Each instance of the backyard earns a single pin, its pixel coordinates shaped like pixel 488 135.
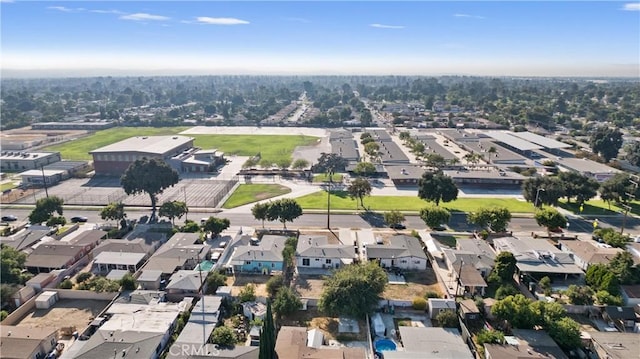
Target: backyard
pixel 312 318
pixel 249 193
pixel 418 284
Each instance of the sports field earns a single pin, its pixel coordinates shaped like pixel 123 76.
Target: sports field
pixel 271 147
pixel 249 193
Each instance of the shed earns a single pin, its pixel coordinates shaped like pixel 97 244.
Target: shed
pixel 150 279
pixel 116 274
pixel 224 291
pixel 379 328
pixel 315 338
pixel 40 281
pixel 437 305
pixel 46 300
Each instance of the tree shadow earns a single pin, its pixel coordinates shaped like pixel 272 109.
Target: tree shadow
pixel 374 219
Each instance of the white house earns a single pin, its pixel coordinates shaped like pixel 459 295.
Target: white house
pixel 404 252
pixel 316 252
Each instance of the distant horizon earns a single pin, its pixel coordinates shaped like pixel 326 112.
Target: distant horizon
pixel 585 39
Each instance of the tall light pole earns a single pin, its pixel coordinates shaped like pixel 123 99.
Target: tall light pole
pixel 535 204
pixel 330 173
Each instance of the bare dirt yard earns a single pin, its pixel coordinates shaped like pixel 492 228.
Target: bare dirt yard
pixel 312 318
pixel 65 313
pixel 418 284
pixel 308 286
pixel 240 281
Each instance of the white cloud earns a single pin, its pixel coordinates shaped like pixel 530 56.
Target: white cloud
pixel 143 17
pixel 66 9
pixel 634 6
pixel 116 12
pixel 220 21
pixel 468 16
pixel 381 26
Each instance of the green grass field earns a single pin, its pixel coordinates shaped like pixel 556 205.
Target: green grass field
pixel 79 149
pixel 249 193
pixel 272 147
pixel 597 207
pixel 6 186
pixel 341 200
pixel 323 177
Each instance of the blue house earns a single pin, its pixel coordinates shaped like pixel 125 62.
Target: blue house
pixel 263 256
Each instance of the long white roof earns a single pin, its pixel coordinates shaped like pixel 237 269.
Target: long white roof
pixel 513 141
pixel 541 140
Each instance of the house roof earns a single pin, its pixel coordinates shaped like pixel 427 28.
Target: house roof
pixel 470 277
pixel 52 255
pixel 404 172
pixel 468 306
pixel 617 345
pixel 149 275
pixel 189 280
pixel 400 246
pixel 433 343
pixel 21 342
pixel 127 343
pixel 119 258
pixel 157 145
pixel 138 245
pixel 476 246
pixel 624 313
pixel 536 255
pixel 456 257
pixel 442 303
pixel 513 141
pixel 269 249
pixel 632 291
pixel 88 237
pixel 589 252
pixel 25 238
pixel 292 344
pixel 319 247
pixel 585 165
pixel 526 343
pixel 540 140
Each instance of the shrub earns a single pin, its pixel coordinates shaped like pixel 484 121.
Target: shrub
pixel 66 284
pixel 447 319
pixel 214 280
pixel 419 303
pixel 506 290
pixel 274 284
pixel 223 336
pixel 83 276
pixel 432 294
pixel 247 294
pixel 545 285
pixel 3 314
pixel 128 282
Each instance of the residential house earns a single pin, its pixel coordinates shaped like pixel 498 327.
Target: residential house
pixel 185 283
pixel 123 254
pixel 292 343
pixel 615 345
pixel 630 294
pixel 181 251
pixel 134 330
pixel 316 252
pixel 589 252
pixel 204 318
pixel 149 279
pixel 623 318
pixel 537 258
pixel 470 264
pixel 404 252
pixel 261 256
pixel 469 311
pixel 63 255
pixel 523 344
pixel 430 343
pixel 438 305
pixel 26 238
pixel 22 342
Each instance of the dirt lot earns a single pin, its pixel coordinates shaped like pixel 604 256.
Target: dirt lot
pixel 329 326
pixel 65 313
pixel 331 236
pixel 418 283
pixel 239 281
pixel 308 287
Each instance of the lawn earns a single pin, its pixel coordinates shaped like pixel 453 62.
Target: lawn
pixel 272 147
pixel 323 177
pixel 341 200
pixel 6 186
pixel 249 193
pixel 448 240
pixel 596 207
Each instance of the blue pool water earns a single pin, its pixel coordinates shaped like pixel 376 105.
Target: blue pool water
pixel 205 266
pixel 385 345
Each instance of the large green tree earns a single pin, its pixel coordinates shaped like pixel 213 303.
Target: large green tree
pixel 114 211
pixel 504 268
pixel 494 218
pixel 365 169
pixel 151 176
pixel 434 217
pixel 566 332
pixel 437 187
pixel 286 302
pixel 216 225
pixel 551 218
pixel 633 153
pixel 329 162
pixel 353 290
pixel 12 265
pixel 267 348
pixel 45 207
pixel 606 142
pixel 393 217
pixel 260 211
pixel 618 189
pixel 284 210
pixel 358 189
pixel 547 190
pixel 173 210
pixel 577 185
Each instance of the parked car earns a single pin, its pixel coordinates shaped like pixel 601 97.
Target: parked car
pixel 9 218
pixel 78 219
pixel 398 226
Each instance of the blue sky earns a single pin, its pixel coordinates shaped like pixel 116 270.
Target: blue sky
pixel 549 38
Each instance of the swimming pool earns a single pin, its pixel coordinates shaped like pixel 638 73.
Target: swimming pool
pixel 385 345
pixel 205 266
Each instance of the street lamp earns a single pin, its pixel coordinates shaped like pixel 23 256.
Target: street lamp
pixel 535 204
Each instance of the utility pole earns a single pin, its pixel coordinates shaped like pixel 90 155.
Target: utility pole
pixel 330 173
pixel 635 180
pixel 44 181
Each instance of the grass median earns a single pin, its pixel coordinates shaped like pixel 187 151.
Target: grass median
pixel 249 193
pixel 342 201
